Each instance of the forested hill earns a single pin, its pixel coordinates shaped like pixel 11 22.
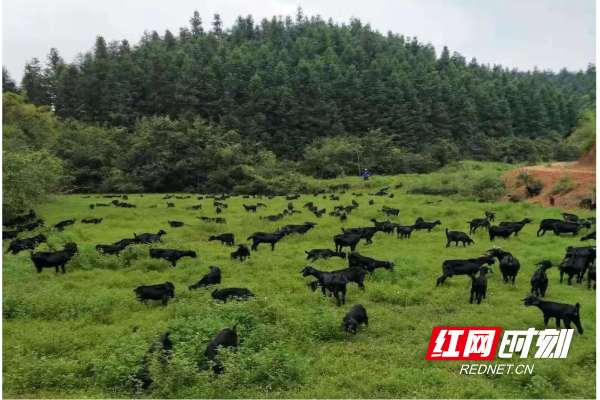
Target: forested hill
pixel 285 82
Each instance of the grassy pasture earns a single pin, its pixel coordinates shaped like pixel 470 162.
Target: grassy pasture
pixel 83 334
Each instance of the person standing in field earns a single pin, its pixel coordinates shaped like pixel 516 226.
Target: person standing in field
pixel 366 174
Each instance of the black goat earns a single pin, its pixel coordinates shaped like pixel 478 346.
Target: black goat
pixel 227 338
pixel 509 265
pixel 547 225
pixel 242 252
pixel 315 254
pixel 590 236
pixel 62 224
pixel 225 295
pixel 427 225
pixel 559 311
pixel 18 245
pixel 54 259
pixel 10 234
pixel 539 280
pixel 370 264
pixel 346 240
pixel 518 226
pixel 92 221
pixel 224 238
pixel 478 223
pixel 34 225
pixel 503 232
pixel 479 285
pixel 456 236
pixel 262 237
pixel 566 227
pixel 463 267
pixel 175 224
pixel 212 278
pixel 355 317
pixel 171 255
pixel 148 238
pixel 162 292
pixel 334 282
pixel 404 232
pixel 249 208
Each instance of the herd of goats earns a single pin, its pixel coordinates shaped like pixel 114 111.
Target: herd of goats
pixel 578 261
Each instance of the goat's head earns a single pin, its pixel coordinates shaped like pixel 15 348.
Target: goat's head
pixel 545 264
pixel 530 300
pixel 308 270
pixel 351 326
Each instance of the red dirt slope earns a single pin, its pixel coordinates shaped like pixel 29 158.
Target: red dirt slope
pixel 582 172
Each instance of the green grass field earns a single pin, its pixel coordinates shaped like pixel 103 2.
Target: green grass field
pixel 84 334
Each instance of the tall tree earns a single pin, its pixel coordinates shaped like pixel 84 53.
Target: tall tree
pixel 196 24
pixel 8 83
pixel 34 84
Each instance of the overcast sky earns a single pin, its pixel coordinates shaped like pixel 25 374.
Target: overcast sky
pixel 549 34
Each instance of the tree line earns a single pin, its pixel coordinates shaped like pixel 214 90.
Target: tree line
pixel 219 108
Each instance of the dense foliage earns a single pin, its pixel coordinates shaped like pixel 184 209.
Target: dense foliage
pixel 286 83
pixel 29 171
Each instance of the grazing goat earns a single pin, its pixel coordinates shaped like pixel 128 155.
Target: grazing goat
pixel 315 254
pixel 242 252
pixel 590 236
pixel 509 265
pixel 224 238
pixel 370 264
pixel 225 295
pixel 478 223
pixel 456 236
pixel 355 317
pixel 175 224
pixel 518 226
pixel 94 221
pixel 334 282
pixel 547 225
pixel 463 267
pixel 353 274
pixel 262 237
pixel 148 238
pixel 62 224
pixel 479 285
pixel 559 311
pixel 195 208
pixel 54 259
pixel 427 225
pixel 539 280
pixel 250 207
pixel 171 255
pixel 301 229
pixel 170 205
pixel 227 338
pixel 18 245
pixel 212 278
pixel 162 292
pixel 20 219
pixel 10 234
